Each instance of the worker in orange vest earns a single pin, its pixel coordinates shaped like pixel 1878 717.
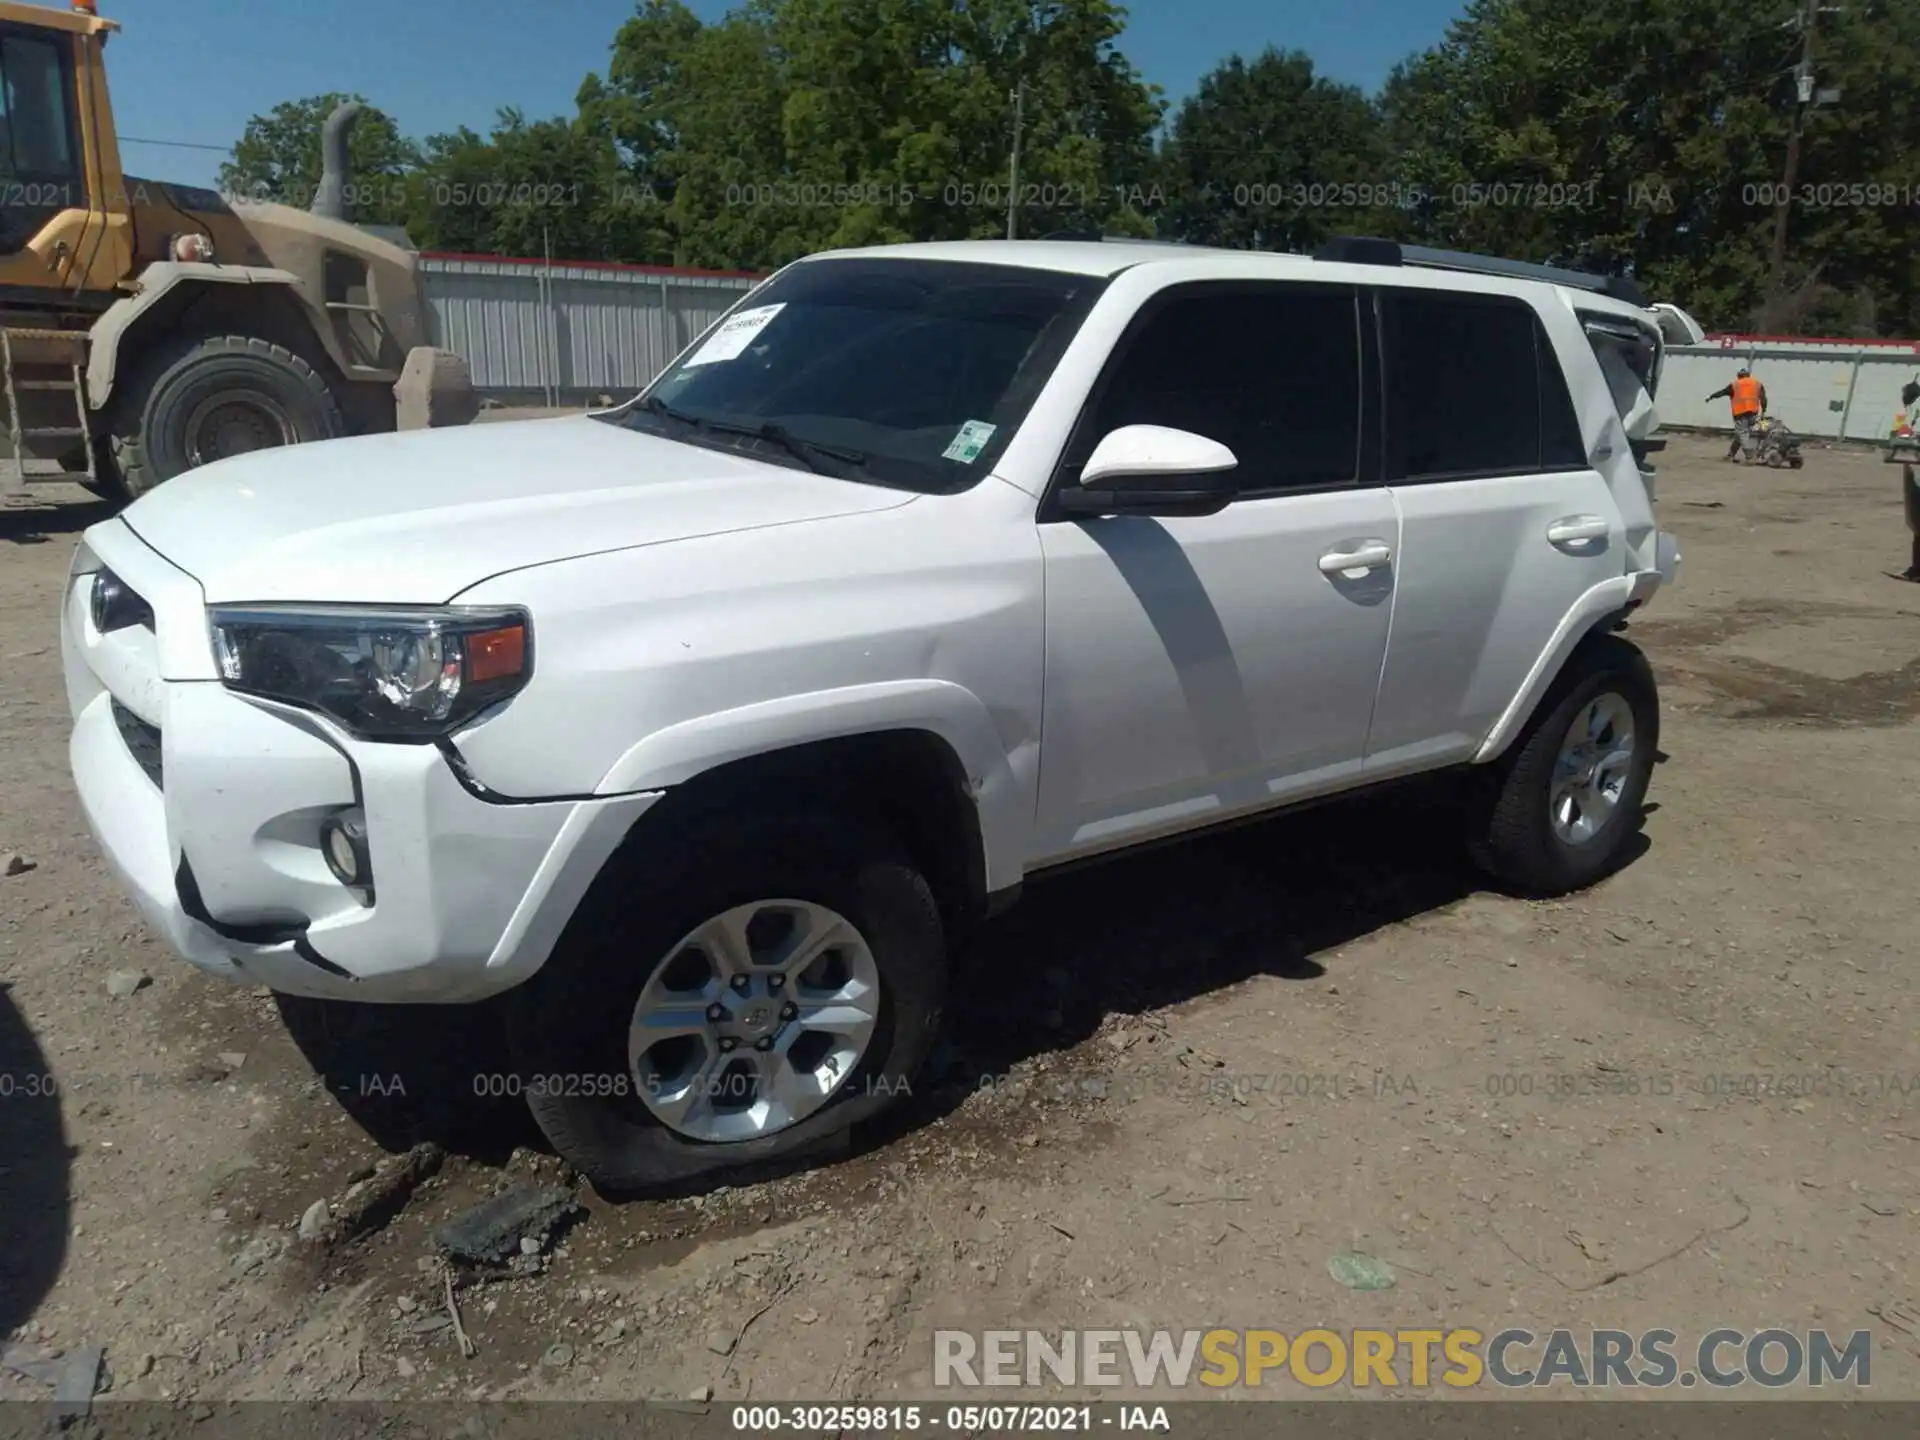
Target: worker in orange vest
pixel 1749 398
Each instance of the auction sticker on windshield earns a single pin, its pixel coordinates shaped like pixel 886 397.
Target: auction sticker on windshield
pixel 733 337
pixel 968 442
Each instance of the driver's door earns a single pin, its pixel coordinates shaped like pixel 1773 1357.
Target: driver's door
pixel 1199 667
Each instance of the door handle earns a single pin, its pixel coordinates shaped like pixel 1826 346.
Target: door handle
pixel 1365 556
pixel 1577 530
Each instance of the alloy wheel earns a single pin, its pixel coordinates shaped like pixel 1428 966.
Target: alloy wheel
pixel 1590 772
pixel 754 1020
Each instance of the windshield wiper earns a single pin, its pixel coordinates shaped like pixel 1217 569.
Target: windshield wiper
pixel 807 452
pixel 654 405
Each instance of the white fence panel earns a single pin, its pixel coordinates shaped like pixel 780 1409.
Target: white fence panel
pixel 1833 389
pixel 561 334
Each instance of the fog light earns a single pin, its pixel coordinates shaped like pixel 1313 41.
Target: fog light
pixel 343 840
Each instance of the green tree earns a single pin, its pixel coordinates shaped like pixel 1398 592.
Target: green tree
pixel 1267 153
pixel 797 125
pixel 716 103
pixel 555 187
pixel 278 158
pixel 1648 136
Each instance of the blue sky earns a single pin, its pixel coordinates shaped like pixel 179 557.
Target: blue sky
pixel 195 70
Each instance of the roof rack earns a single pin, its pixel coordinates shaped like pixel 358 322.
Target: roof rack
pixel 1104 237
pixel 1365 250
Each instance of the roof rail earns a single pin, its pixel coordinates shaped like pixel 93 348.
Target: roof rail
pixel 1104 237
pixel 1365 250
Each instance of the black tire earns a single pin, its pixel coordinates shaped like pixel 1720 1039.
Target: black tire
pixel 571 1020
pixel 1510 828
pixel 411 1073
pixel 154 406
pixel 1794 462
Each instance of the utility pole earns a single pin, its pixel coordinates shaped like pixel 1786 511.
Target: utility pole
pixel 1804 95
pixel 1013 164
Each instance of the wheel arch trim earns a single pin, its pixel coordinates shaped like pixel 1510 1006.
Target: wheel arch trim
pixel 157 282
pixel 1599 606
pixel 953 714
pixel 587 839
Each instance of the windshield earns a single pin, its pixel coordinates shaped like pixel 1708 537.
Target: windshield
pixel 911 373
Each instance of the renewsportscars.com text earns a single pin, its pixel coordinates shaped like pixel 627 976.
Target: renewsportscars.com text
pixel 1461 1358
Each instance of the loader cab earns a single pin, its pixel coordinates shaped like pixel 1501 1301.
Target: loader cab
pixel 59 165
pixel 40 170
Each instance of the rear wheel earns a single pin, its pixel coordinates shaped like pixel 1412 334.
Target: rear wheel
pixel 208 398
pixel 739 996
pixel 1555 813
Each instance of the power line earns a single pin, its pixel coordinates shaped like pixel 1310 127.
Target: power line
pixel 174 144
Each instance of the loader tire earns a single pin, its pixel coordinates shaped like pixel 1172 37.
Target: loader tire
pixel 205 398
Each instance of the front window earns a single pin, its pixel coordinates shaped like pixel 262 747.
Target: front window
pixel 38 138
pixel 909 373
pixel 1270 371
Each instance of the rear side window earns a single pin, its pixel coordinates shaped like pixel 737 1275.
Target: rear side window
pixel 1270 371
pixel 1473 388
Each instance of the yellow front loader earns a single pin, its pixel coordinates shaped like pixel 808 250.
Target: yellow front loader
pixel 147 327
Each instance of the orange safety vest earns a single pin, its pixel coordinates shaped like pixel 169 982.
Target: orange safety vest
pixel 1746 396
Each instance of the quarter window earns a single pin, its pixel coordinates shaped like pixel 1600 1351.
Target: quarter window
pixel 1272 372
pixel 1561 447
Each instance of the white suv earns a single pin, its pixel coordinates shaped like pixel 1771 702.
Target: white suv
pixel 694 731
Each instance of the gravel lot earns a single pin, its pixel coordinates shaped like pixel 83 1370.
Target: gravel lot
pixel 1214 1067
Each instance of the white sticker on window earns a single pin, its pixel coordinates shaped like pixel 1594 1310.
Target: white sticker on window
pixel 732 338
pixel 967 444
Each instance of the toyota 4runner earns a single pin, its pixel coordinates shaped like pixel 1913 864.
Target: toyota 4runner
pixel 694 731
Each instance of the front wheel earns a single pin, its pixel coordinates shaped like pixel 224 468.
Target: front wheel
pixel 740 994
pixel 1556 812
pixel 208 398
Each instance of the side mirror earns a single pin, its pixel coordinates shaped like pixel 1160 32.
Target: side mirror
pixel 1152 470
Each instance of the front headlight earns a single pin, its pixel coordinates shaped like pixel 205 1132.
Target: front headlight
pixel 401 674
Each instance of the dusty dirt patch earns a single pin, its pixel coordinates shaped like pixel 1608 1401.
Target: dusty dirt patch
pixel 1176 1085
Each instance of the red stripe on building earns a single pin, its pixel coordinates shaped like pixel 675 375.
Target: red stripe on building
pixel 594 265
pixel 1728 342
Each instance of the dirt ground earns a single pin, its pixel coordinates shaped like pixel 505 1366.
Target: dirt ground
pixel 1176 1084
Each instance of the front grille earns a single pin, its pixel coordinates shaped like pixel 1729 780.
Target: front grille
pixel 143 740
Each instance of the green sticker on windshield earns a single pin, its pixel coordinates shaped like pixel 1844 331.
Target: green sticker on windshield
pixel 968 442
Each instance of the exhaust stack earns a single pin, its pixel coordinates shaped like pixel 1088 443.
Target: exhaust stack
pixel 330 200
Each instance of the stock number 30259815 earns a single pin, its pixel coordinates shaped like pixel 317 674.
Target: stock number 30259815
pixel 892 1419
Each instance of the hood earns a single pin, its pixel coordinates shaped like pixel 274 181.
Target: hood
pixel 414 518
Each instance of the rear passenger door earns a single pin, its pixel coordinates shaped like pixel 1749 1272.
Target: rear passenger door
pixel 1504 522
pixel 1199 666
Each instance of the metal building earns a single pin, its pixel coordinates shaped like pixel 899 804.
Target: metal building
pixel 564 333
pixel 1831 389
